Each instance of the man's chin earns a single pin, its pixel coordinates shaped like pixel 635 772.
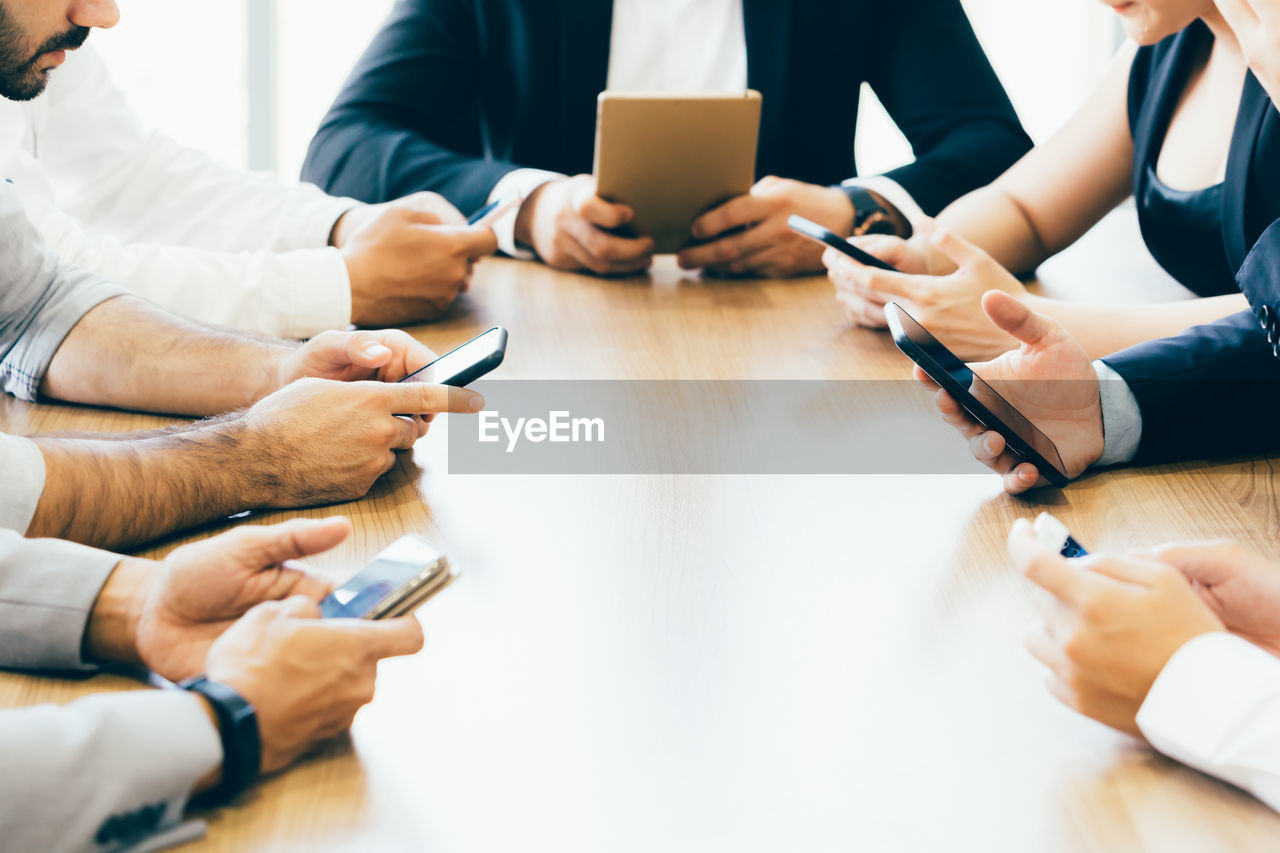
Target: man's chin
pixel 26 87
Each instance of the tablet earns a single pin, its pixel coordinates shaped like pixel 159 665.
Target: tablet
pixel 674 157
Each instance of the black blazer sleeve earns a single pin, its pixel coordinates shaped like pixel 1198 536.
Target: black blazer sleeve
pixel 936 83
pixel 1214 390
pixel 410 108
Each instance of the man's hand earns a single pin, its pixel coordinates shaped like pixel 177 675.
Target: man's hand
pixel 949 306
pixel 1240 586
pixel 567 224
pixel 766 246
pixel 306 677
pixel 165 615
pixel 1116 623
pixel 1256 24
pixel 200 590
pixel 408 259
pixel 320 442
pixel 383 356
pixel 1049 379
pixel 431 209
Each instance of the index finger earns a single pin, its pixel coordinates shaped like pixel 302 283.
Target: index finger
pixel 418 398
pixel 1046 569
pixel 743 210
pixel 604 214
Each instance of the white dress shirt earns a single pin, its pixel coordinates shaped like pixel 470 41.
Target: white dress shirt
pixel 1216 707
pixel 675 46
pixel 169 223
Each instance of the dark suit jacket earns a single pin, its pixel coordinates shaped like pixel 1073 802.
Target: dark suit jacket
pixel 454 94
pixel 1214 390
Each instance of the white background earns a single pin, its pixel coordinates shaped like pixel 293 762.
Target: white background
pixel 184 64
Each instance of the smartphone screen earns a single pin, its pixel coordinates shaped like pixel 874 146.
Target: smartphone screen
pixel 467 363
pixel 396 575
pixel 977 398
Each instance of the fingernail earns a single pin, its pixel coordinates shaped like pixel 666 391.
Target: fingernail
pixel 375 350
pixel 989 446
pixel 476 403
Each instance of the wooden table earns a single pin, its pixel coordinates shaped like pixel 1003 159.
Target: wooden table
pixel 693 663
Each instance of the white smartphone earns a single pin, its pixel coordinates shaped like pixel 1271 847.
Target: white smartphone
pixel 1052 533
pixel 399 580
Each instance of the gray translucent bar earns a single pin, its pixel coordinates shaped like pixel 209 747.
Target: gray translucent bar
pixel 706 427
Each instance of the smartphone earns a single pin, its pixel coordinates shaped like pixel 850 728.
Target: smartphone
pixel 464 365
pixel 954 376
pixel 1053 534
pixel 817 233
pixel 398 581
pixel 488 214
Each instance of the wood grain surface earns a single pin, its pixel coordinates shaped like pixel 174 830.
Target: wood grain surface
pixel 727 663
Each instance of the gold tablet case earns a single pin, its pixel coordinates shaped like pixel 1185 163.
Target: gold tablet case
pixel 674 157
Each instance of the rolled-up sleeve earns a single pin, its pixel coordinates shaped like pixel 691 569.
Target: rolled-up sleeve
pixel 41 299
pixel 22 482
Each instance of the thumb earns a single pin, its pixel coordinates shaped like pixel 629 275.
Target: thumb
pixel 296 607
pixel 1012 316
pixel 961 251
pixel 1210 563
pixel 292 540
pixel 476 241
pixel 365 350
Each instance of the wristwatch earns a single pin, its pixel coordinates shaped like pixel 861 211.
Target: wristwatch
pixel 241 745
pixel 869 215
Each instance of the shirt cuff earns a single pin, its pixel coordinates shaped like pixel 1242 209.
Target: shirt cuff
pixel 317 294
pixel 523 181
pixel 1209 705
pixel 892 192
pixel 313 230
pixel 1121 418
pixel 24 473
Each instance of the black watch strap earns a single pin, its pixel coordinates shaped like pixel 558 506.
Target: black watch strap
pixel 241 747
pixel 869 215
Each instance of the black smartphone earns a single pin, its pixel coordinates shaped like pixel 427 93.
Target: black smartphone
pixel 1053 534
pixel 817 233
pixel 464 365
pixel 398 581
pixel 955 377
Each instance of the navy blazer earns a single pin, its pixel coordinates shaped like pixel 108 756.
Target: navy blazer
pixel 454 94
pixel 1215 389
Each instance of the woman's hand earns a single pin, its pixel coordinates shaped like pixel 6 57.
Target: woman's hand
pixel 949 306
pixel 1256 24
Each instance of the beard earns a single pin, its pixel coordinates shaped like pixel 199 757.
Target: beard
pixel 20 79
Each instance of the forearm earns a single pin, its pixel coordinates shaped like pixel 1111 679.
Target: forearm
pixel 112 493
pixel 129 354
pixel 996 222
pixel 1106 329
